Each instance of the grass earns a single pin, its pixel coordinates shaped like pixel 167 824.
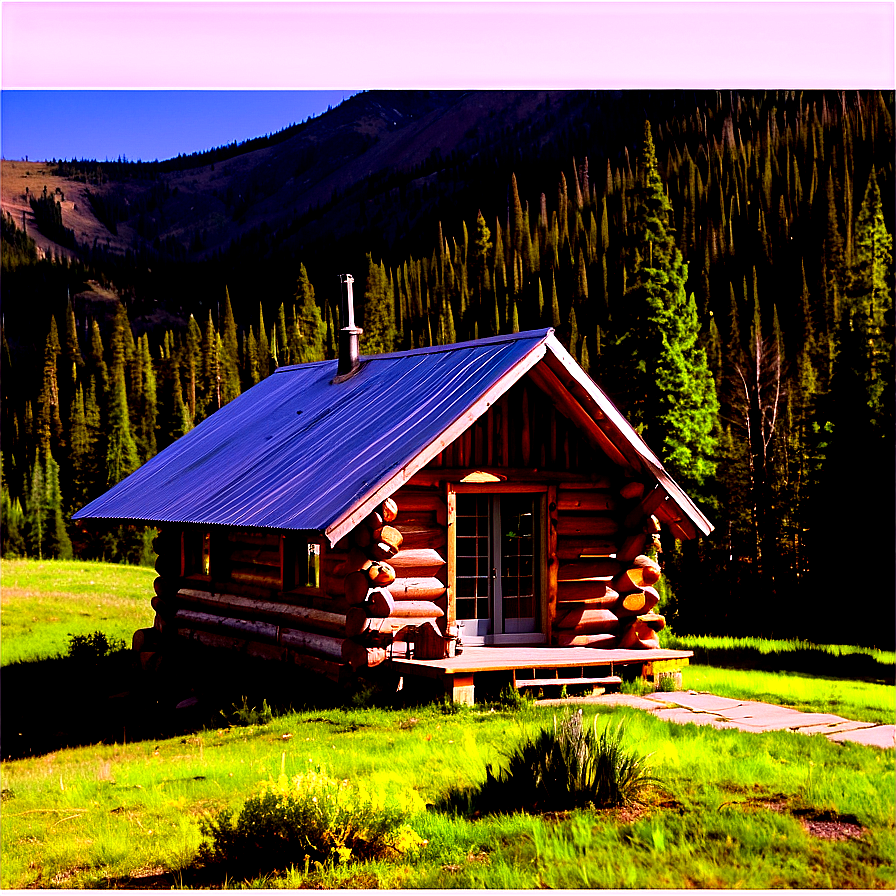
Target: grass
pixel 859 700
pixel 43 602
pixel 729 811
pixel 834 660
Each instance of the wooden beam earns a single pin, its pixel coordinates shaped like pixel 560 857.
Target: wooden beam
pixel 451 501
pixel 553 388
pixel 645 508
pixel 552 564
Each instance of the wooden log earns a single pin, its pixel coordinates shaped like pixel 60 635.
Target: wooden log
pixel 252 608
pixel 165 608
pixel 428 588
pixel 642 574
pixel 362 535
pixel 340 565
pixel 374 522
pixel 389 510
pixel 651 526
pixel 570 639
pixel 360 657
pixel 165 587
pixel 585 499
pixel 422 537
pixel 593 590
pixel 573 548
pixel 410 502
pixel 383 551
pixel 311 642
pixel 256 557
pixel 631 491
pixel 416 609
pixel 586 621
pixel 637 636
pixel 391 536
pixel 589 568
pixel 380 603
pixel 356 621
pixel 258 539
pixel 419 563
pixel 167 565
pixel 637 603
pixel 654 621
pixel 356 587
pixel 631 547
pixel 380 573
pixel 145 640
pixel 644 508
pixel 585 527
pixel 255 575
pixel 188 618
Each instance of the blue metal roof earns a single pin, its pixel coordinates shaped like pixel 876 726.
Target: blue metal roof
pixel 299 452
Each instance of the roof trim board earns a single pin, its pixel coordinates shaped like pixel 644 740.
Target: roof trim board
pixel 450 433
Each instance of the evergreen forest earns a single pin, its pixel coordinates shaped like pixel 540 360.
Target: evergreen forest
pixel 724 272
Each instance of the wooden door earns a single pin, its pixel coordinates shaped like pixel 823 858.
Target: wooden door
pixel 498 563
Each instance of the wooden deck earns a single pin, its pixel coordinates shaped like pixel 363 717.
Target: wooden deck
pixel 457 673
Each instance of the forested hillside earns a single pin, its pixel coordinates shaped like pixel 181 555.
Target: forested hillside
pixel 721 263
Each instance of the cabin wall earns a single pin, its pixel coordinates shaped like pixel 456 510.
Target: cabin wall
pixel 240 604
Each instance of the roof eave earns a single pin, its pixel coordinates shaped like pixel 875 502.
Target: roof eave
pixel 624 438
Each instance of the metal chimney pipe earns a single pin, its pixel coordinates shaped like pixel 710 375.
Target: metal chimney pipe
pixel 349 361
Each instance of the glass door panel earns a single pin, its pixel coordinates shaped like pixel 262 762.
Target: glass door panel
pixel 497 569
pixel 473 528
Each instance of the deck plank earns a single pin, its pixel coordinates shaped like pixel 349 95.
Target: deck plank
pixel 490 659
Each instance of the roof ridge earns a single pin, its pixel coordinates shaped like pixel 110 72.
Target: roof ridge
pixel 435 349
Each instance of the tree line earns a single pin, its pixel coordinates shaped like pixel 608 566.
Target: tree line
pixel 728 283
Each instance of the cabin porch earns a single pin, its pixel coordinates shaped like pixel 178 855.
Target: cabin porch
pixel 494 667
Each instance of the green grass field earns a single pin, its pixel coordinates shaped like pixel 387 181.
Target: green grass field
pixel 733 809
pixel 43 602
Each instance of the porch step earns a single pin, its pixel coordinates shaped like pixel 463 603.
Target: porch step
pixel 547 682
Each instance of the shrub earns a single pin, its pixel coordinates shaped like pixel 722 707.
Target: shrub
pixel 563 767
pixel 92 648
pixel 244 715
pixel 311 818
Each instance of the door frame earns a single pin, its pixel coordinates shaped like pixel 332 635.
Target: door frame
pixel 503 488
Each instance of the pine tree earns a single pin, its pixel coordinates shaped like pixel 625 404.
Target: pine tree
pixel 230 360
pixel 379 314
pixel 49 422
pixel 679 408
pixel 310 323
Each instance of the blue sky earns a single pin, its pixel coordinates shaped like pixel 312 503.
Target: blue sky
pixel 146 124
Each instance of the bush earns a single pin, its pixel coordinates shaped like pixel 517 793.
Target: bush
pixel 311 818
pixel 93 648
pixel 564 767
pixel 244 715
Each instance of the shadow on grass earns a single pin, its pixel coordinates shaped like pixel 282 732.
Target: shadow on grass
pixel 51 704
pixel 804 660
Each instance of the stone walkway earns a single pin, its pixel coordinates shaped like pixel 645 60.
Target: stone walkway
pixel 746 715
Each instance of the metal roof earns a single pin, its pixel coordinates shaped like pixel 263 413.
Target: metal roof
pixel 299 452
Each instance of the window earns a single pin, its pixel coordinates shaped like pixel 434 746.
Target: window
pixel 301 563
pixel 197 554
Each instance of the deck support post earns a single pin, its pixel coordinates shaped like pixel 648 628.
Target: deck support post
pixel 459 687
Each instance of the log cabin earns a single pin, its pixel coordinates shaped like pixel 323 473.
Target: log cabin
pixel 392 508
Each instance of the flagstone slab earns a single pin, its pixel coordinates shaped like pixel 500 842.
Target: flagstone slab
pixel 879 736
pixel 702 702
pixel 764 715
pixel 835 727
pixel 685 716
